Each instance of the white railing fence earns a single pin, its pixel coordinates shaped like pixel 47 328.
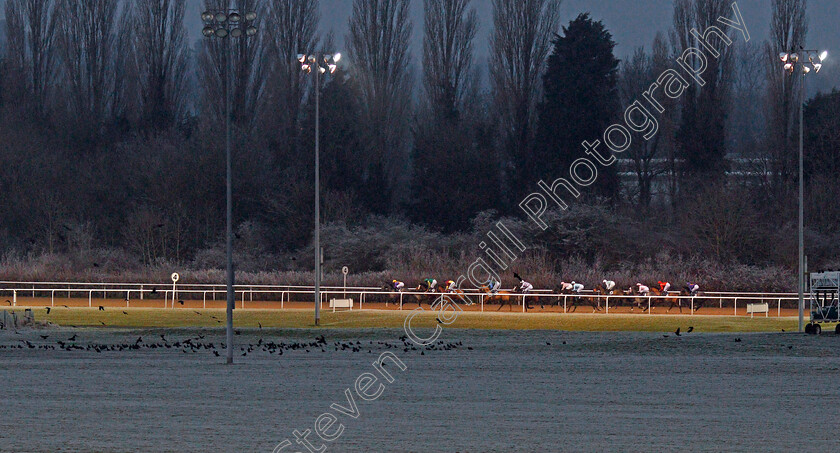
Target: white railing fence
pixel 283 294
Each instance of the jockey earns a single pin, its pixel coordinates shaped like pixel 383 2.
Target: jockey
pixel 642 289
pixel 608 285
pixel 430 284
pixel 398 285
pixel 450 286
pixel 692 288
pixel 565 286
pixel 577 287
pixel 494 285
pixel 525 287
pixel 664 287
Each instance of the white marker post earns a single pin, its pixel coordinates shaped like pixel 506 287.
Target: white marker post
pixel 175 278
pixel 345 270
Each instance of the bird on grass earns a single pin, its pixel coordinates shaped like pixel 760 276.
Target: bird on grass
pixel 235 331
pixel 690 329
pixel 9 302
pixel 48 310
pixel 196 312
pixel 737 340
pixel 181 302
pixel 73 338
pixel 44 337
pixel 101 308
pixel 259 324
pixel 677 332
pixel 125 312
pixel 216 353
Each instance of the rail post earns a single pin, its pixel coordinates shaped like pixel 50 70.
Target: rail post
pixel 649 310
pixel 204 298
pixel 736 307
pixel 14 297
pixel 692 305
pixel 52 298
pixel 401 300
pixel 607 304
pixel 779 312
pixel 564 303
pixel 481 299
pixel 90 299
pixel 523 303
pixel 141 292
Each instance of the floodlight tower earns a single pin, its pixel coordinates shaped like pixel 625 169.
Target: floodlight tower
pixel 794 61
pixel 317 64
pixel 228 24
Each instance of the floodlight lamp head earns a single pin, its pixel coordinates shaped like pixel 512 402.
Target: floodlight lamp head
pixel 207 31
pixel 823 55
pixel 332 68
pixel 301 57
pixel 251 16
pixel 251 30
pixel 221 17
pixel 817 67
pixel 207 16
pixel 806 69
pixel 784 57
pixel 794 57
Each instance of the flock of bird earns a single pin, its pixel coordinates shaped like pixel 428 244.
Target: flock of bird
pixel 195 344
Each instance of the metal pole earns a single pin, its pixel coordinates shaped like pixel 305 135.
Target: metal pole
pixel 316 71
pixel 801 211
pixel 230 295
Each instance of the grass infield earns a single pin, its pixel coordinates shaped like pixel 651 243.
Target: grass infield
pixel 297 318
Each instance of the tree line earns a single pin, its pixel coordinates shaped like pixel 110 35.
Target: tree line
pixel 113 128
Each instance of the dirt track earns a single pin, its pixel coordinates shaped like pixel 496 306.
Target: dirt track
pixel 662 308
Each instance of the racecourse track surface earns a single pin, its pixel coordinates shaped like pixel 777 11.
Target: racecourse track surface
pixel 477 391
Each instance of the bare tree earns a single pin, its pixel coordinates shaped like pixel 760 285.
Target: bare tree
pixel 30 34
pixel 519 45
pixel 635 77
pixel 378 44
pixel 449 31
pixel 292 29
pixel 788 31
pixel 701 135
pixel 86 38
pixel 160 52
pixel 248 81
pixel 747 125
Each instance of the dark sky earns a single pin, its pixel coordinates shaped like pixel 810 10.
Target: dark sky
pixel 633 23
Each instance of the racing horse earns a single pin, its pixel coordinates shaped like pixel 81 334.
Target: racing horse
pixel 502 297
pixel 594 302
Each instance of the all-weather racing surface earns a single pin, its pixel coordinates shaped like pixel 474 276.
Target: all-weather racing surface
pixel 165 390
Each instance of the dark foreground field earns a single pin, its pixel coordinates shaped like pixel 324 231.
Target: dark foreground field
pixel 478 391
